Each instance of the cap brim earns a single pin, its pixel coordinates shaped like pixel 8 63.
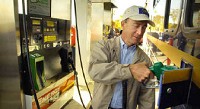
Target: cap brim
pixel 143 18
pixel 151 23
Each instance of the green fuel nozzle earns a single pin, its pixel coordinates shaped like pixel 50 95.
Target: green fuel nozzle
pixel 158 68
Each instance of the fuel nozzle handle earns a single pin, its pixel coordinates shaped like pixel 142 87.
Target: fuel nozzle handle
pixel 157 69
pixel 70 60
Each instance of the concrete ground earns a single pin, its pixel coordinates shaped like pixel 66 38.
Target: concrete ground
pixel 75 102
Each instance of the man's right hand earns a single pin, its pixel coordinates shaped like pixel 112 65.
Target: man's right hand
pixel 140 71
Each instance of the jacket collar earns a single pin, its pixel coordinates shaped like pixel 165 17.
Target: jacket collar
pixel 116 48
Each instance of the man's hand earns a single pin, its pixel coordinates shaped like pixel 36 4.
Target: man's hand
pixel 140 71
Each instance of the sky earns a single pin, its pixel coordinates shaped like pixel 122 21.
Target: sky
pixel 123 4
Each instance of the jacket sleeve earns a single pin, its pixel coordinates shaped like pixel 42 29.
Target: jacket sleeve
pixel 146 98
pixel 102 67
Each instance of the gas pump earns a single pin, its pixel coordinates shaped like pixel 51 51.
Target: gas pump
pixel 45 49
pixel 49 46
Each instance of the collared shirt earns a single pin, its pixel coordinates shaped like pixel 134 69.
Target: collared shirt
pixel 127 54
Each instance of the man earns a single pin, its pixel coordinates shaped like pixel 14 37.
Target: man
pixel 119 67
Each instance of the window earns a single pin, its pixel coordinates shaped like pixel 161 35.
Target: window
pixel 193 13
pixel 159 13
pixel 174 13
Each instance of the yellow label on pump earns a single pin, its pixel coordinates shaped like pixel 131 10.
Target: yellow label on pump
pixel 50 38
pixel 36 22
pixel 50 24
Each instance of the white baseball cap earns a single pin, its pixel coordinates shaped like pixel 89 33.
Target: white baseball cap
pixel 137 13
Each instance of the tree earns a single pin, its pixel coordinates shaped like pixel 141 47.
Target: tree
pixel 159 21
pixel 174 15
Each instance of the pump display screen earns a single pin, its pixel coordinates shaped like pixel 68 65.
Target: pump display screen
pixel 50 23
pixel 47 32
pixel 50 30
pixel 36 22
pixel 36 26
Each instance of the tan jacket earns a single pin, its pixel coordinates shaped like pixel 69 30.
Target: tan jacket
pixel 105 70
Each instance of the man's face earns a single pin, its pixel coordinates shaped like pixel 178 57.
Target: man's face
pixel 133 31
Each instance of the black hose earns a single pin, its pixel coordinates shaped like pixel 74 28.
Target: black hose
pixel 28 55
pixel 79 49
pixel 77 83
